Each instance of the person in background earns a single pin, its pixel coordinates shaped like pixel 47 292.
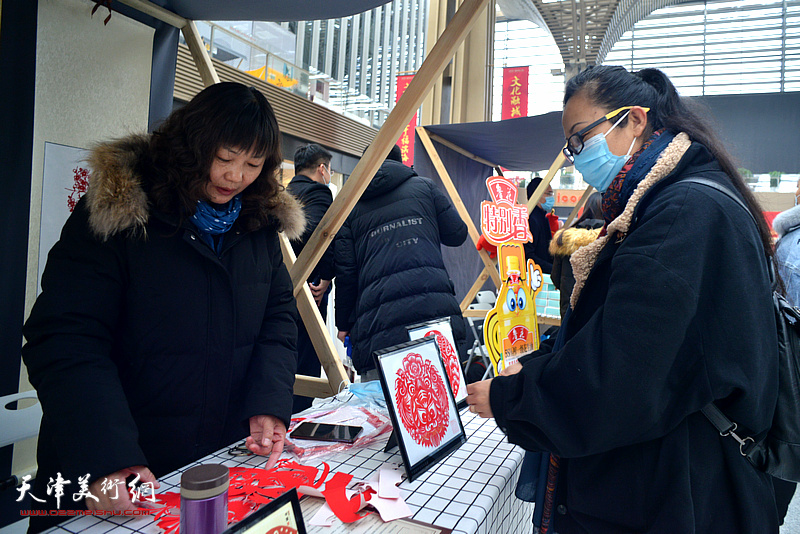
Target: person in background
pixel 312 166
pixel 787 259
pixel 787 249
pixel 165 328
pixel 538 250
pixel 568 240
pixel 671 311
pixel 389 267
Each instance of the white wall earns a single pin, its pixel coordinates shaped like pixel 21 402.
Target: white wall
pixel 92 83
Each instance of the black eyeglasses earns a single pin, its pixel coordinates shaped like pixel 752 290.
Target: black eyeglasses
pixel 574 144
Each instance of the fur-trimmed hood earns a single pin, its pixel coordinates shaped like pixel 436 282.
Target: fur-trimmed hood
pixel 786 220
pixel 117 201
pixel 583 260
pixel 567 241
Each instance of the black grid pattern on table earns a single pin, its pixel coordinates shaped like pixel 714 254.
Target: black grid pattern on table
pixel 471 491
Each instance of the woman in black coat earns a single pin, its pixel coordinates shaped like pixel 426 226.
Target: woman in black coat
pixel 166 324
pixel 671 311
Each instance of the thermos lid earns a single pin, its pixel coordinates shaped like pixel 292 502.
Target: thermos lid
pixel 203 481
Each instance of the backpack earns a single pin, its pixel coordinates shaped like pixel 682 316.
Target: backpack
pixel 778 452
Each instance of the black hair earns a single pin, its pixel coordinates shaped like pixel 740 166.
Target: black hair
pixel 182 149
pixel 611 87
pixel 593 209
pixel 308 157
pixel 532 185
pixel 395 154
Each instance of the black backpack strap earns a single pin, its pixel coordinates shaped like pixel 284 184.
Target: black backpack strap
pixel 727 192
pixel 725 426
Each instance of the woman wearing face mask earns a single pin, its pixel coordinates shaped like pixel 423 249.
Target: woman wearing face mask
pixel 671 311
pixel 538 249
pixel 165 329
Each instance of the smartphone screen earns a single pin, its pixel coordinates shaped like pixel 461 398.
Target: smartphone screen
pixel 326 432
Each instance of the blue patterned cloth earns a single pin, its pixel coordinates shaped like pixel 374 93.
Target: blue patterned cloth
pixel 211 221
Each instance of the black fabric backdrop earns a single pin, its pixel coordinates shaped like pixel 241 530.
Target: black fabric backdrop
pixel 463 263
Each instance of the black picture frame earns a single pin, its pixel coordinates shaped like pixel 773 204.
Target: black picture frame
pixel 415 461
pixel 255 522
pixel 434 323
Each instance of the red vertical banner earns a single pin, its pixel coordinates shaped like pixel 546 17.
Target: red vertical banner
pixel 406 141
pixel 515 92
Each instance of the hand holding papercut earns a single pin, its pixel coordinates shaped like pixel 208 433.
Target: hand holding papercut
pixel 267 437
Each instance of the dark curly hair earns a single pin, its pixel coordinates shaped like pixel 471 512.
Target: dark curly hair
pixel 182 150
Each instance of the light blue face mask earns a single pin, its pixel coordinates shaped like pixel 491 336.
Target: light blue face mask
pixel 597 164
pixel 549 202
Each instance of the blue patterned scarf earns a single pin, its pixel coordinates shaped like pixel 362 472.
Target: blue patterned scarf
pixel 211 221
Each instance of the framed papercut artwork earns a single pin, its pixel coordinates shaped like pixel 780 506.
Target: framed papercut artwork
pixel 281 516
pixel 427 426
pixel 443 332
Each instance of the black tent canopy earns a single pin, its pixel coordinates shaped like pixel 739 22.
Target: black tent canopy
pixel 522 144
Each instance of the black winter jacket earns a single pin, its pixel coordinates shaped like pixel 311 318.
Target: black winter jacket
pixel 315 198
pixel 145 347
pixel 673 315
pixel 537 250
pixel 389 267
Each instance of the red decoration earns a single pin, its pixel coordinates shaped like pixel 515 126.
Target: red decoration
pixel 515 93
pixel 504 220
pixel 422 401
pixel 336 497
pixel 80 184
pixel 406 141
pixel 249 489
pixel 451 365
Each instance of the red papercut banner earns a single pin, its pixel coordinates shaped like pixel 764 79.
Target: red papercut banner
pixel 504 220
pixel 515 92
pixel 406 141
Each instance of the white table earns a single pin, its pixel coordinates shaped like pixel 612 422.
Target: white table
pixel 471 491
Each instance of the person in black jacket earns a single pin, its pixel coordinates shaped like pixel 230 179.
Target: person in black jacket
pixel 671 311
pixel 312 166
pixel 389 267
pixel 165 329
pixel 568 240
pixel 538 249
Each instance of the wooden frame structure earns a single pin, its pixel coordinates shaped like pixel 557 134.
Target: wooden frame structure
pixel 301 267
pixel 490 266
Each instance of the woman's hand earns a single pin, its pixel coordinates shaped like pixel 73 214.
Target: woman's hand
pixel 478 398
pixel 110 498
pixel 267 436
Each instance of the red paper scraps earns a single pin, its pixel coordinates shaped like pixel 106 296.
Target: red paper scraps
pixel 251 487
pixel 346 509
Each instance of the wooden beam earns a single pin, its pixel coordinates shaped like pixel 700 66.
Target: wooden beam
pixel 157 12
pixel 309 386
pixel 578 206
pixel 463 152
pixel 475 288
pixel 457 202
pixel 433 66
pixel 201 58
pixel 534 200
pixel 320 338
